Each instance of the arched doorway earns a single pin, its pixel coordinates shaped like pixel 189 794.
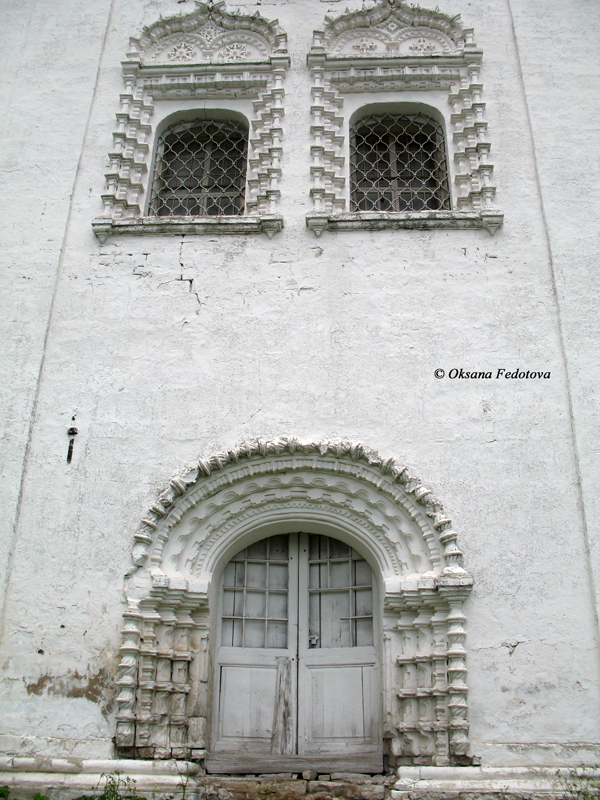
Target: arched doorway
pixel 280 487
pixel 297 678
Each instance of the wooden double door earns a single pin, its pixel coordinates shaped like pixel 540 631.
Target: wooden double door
pixel 297 682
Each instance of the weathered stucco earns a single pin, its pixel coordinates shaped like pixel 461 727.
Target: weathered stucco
pixel 160 349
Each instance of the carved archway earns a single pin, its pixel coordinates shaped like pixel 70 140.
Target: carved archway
pixel 238 496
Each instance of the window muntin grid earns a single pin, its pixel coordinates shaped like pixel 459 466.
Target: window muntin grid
pixel 398 163
pixel 255 595
pixel 340 595
pixel 200 170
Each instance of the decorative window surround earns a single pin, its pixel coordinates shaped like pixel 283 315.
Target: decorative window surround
pixel 233 498
pixel 206 55
pixel 397 48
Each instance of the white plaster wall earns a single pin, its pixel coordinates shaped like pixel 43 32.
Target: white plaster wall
pixel 167 348
pixel 561 105
pixel 49 63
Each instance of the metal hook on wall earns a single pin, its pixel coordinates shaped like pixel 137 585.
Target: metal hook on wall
pixel 72 433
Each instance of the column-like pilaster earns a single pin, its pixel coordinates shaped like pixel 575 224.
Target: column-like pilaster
pixel 127 680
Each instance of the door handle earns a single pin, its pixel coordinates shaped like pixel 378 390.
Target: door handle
pixel 313 640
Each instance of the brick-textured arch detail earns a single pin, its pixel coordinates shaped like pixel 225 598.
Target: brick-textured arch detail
pixel 240 495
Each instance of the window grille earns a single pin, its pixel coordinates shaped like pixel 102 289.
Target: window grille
pixel 398 163
pixel 200 170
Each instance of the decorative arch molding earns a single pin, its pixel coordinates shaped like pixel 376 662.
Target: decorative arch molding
pixel 395 48
pixel 209 34
pixel 208 55
pixel 395 23
pixel 266 486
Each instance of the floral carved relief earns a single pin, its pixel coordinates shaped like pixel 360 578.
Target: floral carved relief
pixel 365 46
pixel 423 46
pixel 234 52
pixel 184 51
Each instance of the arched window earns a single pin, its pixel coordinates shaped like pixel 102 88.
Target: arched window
pixel 398 163
pixel 200 170
pixel 401 164
pixel 197 183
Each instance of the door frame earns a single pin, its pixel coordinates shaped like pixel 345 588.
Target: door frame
pixel 207 513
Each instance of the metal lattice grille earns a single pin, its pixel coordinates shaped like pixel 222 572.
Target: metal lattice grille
pixel 398 163
pixel 200 170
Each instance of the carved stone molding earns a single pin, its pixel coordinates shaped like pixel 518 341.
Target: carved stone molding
pixel 240 495
pixel 176 226
pixel 83 776
pixel 206 55
pixel 414 220
pixel 393 48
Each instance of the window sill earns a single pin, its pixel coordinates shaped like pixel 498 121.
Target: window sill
pixel 104 227
pixel 420 220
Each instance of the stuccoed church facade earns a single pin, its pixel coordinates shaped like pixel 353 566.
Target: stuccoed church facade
pixel 300 444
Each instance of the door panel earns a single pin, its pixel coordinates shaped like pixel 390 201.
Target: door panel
pixel 333 717
pixel 247 704
pixel 255 687
pixel 298 673
pixel 339 704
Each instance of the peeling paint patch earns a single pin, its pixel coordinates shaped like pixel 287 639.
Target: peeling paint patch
pixel 512 645
pixel 98 687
